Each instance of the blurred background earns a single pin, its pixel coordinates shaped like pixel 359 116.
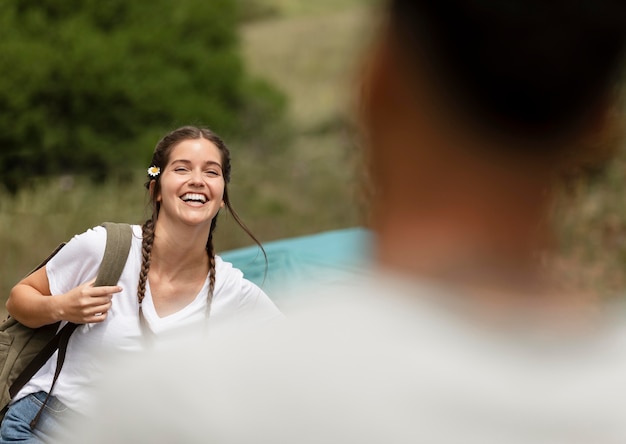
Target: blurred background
pixel 88 87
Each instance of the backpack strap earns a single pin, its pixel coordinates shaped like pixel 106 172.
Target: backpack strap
pixel 119 238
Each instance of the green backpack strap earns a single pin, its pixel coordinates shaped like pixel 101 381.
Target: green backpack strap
pixel 119 239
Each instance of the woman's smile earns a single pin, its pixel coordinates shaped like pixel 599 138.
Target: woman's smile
pixel 194 199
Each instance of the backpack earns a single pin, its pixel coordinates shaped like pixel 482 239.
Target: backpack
pixel 24 350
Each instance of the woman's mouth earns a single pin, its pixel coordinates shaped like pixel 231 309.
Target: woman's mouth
pixel 194 197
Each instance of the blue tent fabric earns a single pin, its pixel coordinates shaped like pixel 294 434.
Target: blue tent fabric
pixel 324 258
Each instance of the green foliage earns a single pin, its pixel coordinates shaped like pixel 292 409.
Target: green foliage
pixel 89 86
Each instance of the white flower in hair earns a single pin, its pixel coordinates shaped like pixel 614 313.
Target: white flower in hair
pixel 154 171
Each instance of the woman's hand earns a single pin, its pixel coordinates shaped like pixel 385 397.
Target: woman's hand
pixel 86 303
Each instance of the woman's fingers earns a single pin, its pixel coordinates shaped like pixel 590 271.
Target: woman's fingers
pixel 105 289
pixel 87 304
pixel 100 313
pixel 97 310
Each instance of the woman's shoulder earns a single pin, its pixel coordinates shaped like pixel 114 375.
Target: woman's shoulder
pixel 78 261
pixel 99 232
pixel 244 297
pixel 92 242
pixel 219 262
pixel 93 237
pixel 225 270
pixel 228 277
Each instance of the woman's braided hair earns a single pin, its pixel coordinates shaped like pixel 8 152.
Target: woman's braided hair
pixel 160 159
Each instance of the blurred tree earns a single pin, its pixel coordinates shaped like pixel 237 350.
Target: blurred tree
pixel 89 86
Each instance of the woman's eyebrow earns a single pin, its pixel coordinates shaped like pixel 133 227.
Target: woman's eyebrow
pixel 188 162
pixel 212 162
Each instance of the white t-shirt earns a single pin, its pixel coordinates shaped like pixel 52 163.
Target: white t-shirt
pixel 237 304
pixel 380 361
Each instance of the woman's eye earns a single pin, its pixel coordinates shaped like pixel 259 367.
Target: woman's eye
pixel 212 173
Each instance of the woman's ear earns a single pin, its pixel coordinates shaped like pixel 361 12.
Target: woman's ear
pixel 151 189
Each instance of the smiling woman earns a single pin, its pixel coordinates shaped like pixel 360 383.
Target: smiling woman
pixel 171 285
pixel 186 199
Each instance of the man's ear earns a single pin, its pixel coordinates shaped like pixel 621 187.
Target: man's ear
pixel 600 137
pixel 380 82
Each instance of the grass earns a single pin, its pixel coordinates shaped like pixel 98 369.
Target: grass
pixel 287 9
pixel 34 221
pixel 311 58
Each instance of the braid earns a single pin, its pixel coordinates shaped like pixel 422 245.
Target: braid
pixel 146 251
pixel 211 254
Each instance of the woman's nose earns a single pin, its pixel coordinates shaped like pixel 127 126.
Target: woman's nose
pixel 196 177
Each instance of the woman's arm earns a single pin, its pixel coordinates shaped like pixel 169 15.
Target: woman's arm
pixel 30 302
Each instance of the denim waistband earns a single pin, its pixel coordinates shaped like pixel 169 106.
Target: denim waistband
pixel 53 402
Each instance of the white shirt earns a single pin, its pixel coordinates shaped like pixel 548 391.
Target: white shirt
pixel 237 304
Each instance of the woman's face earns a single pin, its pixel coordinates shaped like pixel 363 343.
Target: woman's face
pixel 192 183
